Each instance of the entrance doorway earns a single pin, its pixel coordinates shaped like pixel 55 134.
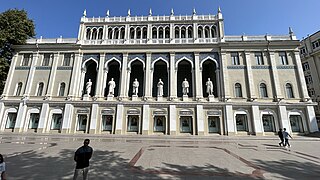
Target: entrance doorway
pixel 186 124
pixel 159 124
pixel 133 123
pixel 82 122
pixel 11 121
pixel 34 121
pixel 107 122
pixel 296 123
pixel 214 124
pixel 268 123
pixel 242 122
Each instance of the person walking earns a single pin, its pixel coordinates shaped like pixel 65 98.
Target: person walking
pixel 2 168
pixel 82 157
pixel 280 134
pixel 286 136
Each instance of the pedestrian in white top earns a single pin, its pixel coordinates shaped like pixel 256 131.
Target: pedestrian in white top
pixel 286 136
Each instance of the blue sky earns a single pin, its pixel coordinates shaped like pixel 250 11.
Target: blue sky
pixel 251 17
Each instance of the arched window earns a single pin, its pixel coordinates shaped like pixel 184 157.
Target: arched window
pixel 88 33
pixel 183 32
pixel 206 32
pixel 161 32
pixel 238 90
pixel 167 32
pixel 190 32
pixel 200 32
pixel 94 34
pixel 263 90
pixel 19 87
pixel 144 33
pixel 62 89
pixel 176 32
pixel 40 89
pixel 289 90
pixel 122 32
pixel 213 32
pixel 109 33
pixel 154 33
pixel 100 33
pixel 131 33
pixel 116 33
pixel 138 30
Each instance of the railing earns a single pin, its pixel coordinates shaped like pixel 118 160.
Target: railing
pixel 258 38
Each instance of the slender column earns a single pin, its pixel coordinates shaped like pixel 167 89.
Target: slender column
pixel 284 120
pixel 104 81
pixel 43 118
pixel 100 82
pixel 94 119
pixel 81 83
pixel 198 77
pixel 123 90
pixel 145 119
pixel 173 119
pixel 21 116
pixel 200 119
pixel 10 75
pixel 2 119
pixel 31 74
pixel 105 32
pixel 252 90
pixel 67 118
pixel 302 82
pixel 148 85
pixel 229 120
pixel 195 31
pixel 52 76
pixel 218 80
pixel 275 75
pixel 311 116
pixel 257 122
pixel 120 119
pixel 225 76
pixel 173 77
pixel 76 72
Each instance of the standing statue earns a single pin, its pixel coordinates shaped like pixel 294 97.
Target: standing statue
pixel 209 87
pixel 88 87
pixel 112 85
pixel 160 88
pixel 135 88
pixel 185 87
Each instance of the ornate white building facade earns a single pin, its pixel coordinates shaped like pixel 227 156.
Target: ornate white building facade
pixel 257 86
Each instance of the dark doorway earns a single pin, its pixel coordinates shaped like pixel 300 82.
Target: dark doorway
pixel 113 72
pixel 160 72
pixel 209 71
pixel 137 71
pixel 184 71
pixel 91 73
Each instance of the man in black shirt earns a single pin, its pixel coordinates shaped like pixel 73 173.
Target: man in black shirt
pixel 280 134
pixel 82 157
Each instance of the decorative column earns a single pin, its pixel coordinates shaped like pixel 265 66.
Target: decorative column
pixel 302 82
pixel 145 119
pixel 218 79
pixel 173 119
pixel 76 72
pixel 123 90
pixel 67 118
pixel 311 116
pixel 52 75
pixel 2 119
pixel 257 122
pixel 275 75
pixel 21 116
pixel 43 118
pixel 225 76
pixel 284 119
pixel 229 120
pixel 99 85
pixel 252 89
pixel 148 84
pixel 200 119
pixel 94 119
pixel 10 76
pixel 173 77
pixel 120 119
pixel 198 77
pixel 31 74
pixel 104 81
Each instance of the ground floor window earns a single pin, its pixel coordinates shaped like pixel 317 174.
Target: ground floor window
pixel 82 122
pixel 268 123
pixel 133 123
pixel 214 124
pixel 34 120
pixel 56 121
pixel 186 124
pixel 159 123
pixel 11 120
pixel 242 122
pixel 107 122
pixel 296 123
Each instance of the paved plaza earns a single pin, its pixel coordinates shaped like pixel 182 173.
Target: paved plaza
pixel 34 156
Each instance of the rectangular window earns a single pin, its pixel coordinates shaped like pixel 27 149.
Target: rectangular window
pixel 283 58
pixel 259 59
pixel 308 79
pixel 315 44
pixel 67 59
pixel 46 59
pixel 34 120
pixel 306 66
pixel 235 58
pixel 11 120
pixel 241 122
pixel 56 121
pixel 26 59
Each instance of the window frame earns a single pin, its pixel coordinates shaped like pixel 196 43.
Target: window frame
pixel 235 58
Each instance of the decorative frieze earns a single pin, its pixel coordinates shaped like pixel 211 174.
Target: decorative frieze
pixel 22 68
pixel 261 67
pixel 83 111
pixel 107 111
pixel 117 56
pixel 133 112
pixel 237 67
pixel 286 67
pixel 213 113
pixel 141 56
pixel 64 68
pixel 93 56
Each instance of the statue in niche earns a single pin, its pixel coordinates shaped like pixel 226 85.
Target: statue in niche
pixel 185 87
pixel 209 87
pixel 160 88
pixel 135 88
pixel 88 87
pixel 112 85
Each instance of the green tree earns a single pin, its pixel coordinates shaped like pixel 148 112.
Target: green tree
pixel 15 28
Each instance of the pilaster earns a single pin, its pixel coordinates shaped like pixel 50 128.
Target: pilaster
pixel 198 77
pixel 52 75
pixel 75 80
pixel 119 119
pixel 173 77
pixel 284 120
pixel 257 124
pixel 99 85
pixel 145 119
pixel 31 74
pixel 302 82
pixel 252 89
pixel 311 117
pixel 67 118
pixel 275 75
pixel 10 75
pixel 94 119
pixel 173 119
pixel 43 121
pixel 21 116
pixel 200 119
pixel 2 119
pixel 225 76
pixel 229 120
pixel 148 86
pixel 123 88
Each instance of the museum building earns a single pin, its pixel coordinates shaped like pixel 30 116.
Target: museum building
pixel 157 75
